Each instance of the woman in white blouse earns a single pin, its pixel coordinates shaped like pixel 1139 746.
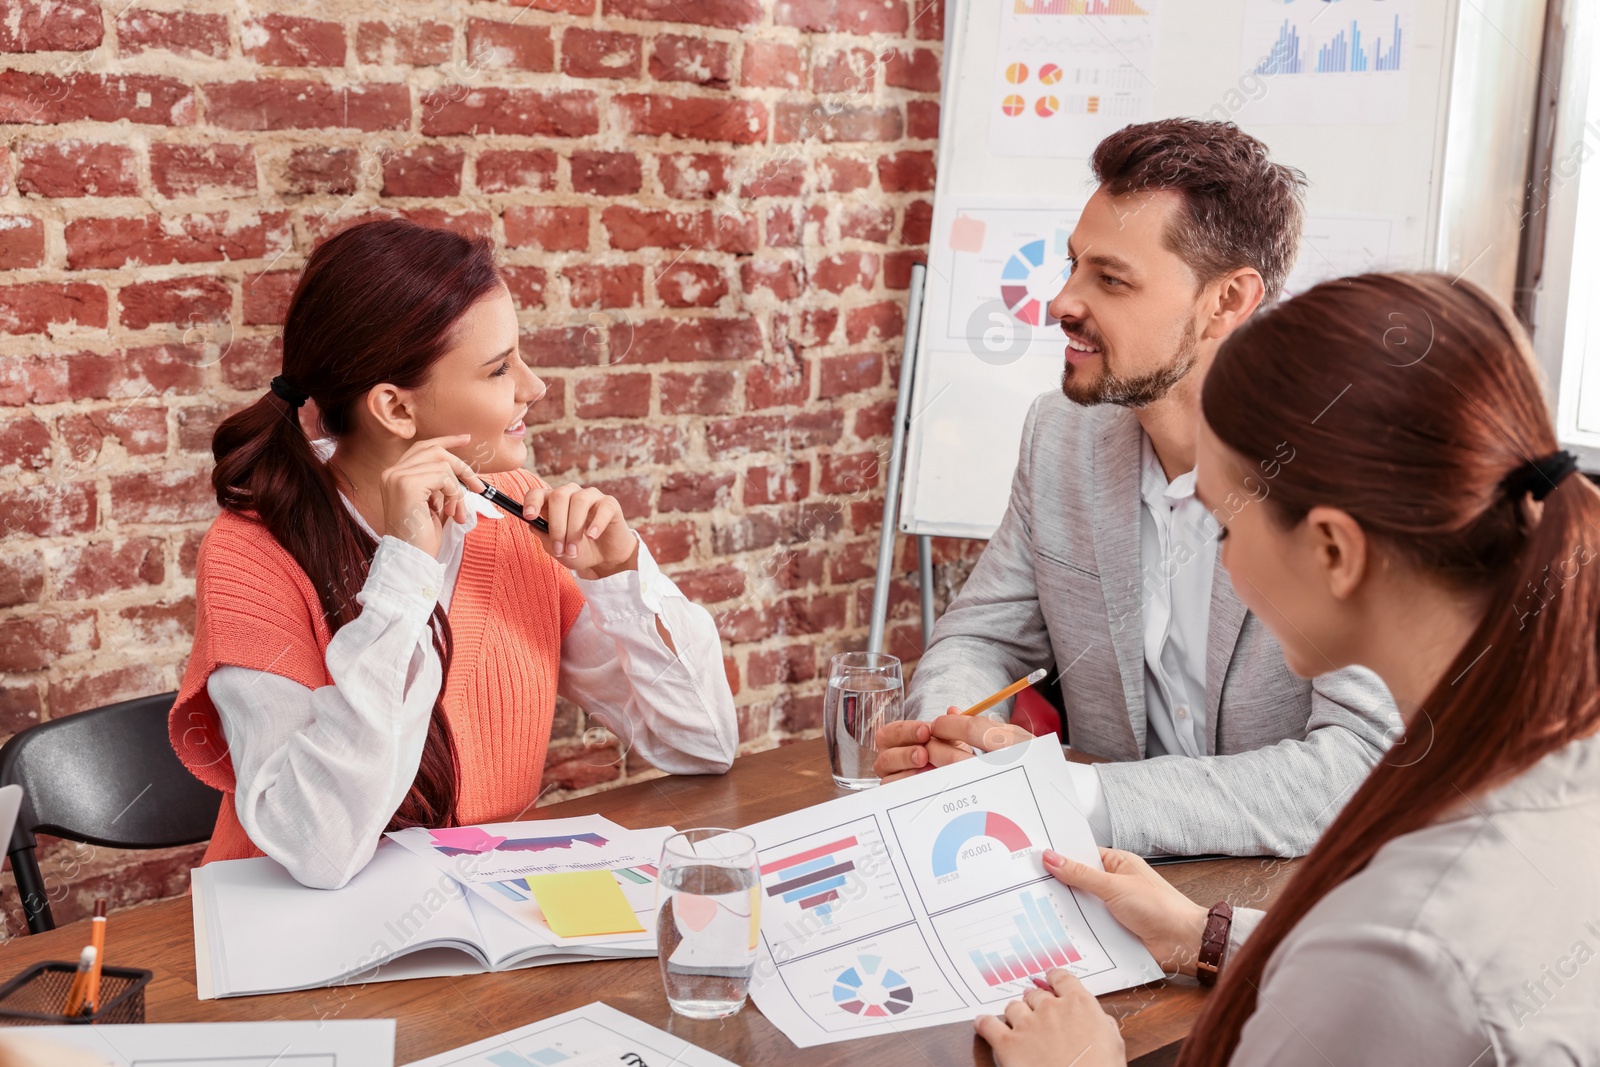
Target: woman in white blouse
pixel 406 338
pixel 1428 528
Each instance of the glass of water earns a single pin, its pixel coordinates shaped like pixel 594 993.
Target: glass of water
pixel 864 692
pixel 709 898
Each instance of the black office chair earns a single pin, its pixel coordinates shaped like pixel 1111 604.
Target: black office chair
pixel 108 777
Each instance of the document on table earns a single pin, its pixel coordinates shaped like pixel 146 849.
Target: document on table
pixel 324 1043
pixel 925 901
pixel 257 930
pixel 596 1035
pixel 495 861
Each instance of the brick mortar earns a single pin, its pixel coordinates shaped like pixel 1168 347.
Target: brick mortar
pixel 823 612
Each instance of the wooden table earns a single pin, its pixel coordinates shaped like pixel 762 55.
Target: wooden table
pixel 441 1013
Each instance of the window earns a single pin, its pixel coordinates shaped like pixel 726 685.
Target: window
pixel 1567 313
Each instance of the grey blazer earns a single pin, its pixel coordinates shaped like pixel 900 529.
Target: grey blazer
pixel 1059 584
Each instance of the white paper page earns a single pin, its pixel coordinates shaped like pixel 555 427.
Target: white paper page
pixel 268 933
pixel 925 901
pixel 1070 72
pixel 330 1043
pixel 595 1035
pixel 509 941
pixel 205 989
pixel 494 860
pixel 1328 65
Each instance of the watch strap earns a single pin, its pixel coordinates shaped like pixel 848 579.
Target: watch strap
pixel 1214 942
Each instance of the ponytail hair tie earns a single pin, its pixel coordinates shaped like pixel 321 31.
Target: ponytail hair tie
pixel 288 393
pixel 1539 477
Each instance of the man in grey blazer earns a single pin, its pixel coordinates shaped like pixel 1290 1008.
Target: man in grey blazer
pixel 1104 565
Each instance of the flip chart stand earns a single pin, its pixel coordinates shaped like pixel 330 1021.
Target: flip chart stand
pixel 892 483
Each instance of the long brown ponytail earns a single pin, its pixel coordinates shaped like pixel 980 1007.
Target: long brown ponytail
pixel 1413 404
pixel 376 303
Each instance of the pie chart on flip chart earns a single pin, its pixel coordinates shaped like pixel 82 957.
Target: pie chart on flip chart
pixel 952 844
pixel 1015 291
pixel 1017 73
pixel 870 989
pixel 1013 105
pixel 1046 106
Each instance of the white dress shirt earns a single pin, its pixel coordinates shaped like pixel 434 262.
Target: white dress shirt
pixel 320 772
pixel 1177 562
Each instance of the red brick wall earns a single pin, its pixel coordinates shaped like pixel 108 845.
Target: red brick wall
pixel 709 209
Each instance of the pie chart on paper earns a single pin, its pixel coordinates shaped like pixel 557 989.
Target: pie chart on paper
pixel 1013 105
pixel 872 990
pixel 1022 298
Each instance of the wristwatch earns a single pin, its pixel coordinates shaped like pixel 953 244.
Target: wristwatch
pixel 1219 920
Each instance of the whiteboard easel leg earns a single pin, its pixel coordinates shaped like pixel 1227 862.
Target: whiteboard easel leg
pixel 891 485
pixel 925 573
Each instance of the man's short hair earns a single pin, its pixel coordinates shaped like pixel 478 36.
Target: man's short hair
pixel 1240 209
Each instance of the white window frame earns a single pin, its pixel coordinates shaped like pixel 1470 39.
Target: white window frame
pixel 1566 333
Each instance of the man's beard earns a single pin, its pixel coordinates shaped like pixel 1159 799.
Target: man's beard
pixel 1108 388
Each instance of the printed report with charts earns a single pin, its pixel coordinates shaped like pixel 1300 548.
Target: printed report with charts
pixel 925 901
pixel 404 915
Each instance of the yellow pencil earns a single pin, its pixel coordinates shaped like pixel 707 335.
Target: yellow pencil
pixel 97 938
pixel 80 981
pixel 1011 690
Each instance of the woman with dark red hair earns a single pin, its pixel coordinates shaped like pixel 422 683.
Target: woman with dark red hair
pixel 1429 528
pixel 377 644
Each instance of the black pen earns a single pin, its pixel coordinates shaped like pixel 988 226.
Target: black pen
pixel 495 496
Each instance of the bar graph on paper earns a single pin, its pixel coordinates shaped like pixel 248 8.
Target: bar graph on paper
pixel 1039 944
pixel 1323 62
pixel 1000 944
pixel 538 1058
pixel 591 1036
pixel 825 889
pixel 1077 7
pixel 1344 52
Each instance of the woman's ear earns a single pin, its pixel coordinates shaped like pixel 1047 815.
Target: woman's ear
pixel 1339 548
pixel 393 409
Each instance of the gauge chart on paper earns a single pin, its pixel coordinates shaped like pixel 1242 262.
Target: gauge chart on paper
pixel 1069 72
pixel 998 945
pixel 821 890
pixel 975 841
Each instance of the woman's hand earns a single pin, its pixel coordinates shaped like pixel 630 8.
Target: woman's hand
pixel 422 491
pixel 1169 923
pixel 588 532
pixel 1059 1025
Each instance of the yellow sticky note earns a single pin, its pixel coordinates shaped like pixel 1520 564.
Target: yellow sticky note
pixel 581 903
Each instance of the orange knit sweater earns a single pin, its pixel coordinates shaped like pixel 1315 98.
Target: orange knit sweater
pixel 256 608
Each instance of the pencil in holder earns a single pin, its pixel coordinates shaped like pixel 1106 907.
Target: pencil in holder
pixel 36 996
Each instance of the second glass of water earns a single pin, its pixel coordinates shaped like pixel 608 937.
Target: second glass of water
pixel 709 895
pixel 864 692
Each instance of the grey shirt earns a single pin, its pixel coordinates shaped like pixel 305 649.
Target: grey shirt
pixel 1473 941
pixel 1059 583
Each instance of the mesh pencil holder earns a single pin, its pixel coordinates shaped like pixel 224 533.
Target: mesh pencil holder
pixel 36 996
